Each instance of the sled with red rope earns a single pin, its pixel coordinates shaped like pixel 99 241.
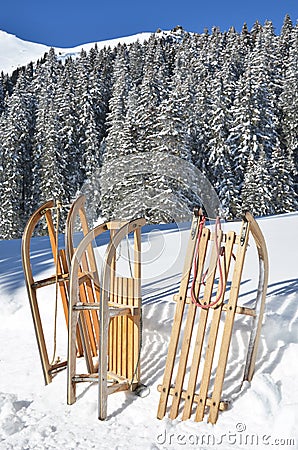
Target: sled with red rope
pixel 205 313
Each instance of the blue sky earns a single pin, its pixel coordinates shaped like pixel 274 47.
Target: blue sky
pixel 66 23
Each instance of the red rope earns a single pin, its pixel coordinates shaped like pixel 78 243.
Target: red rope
pixel 195 268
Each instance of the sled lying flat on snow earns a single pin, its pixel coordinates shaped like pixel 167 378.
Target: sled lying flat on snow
pixel 189 337
pixel 103 319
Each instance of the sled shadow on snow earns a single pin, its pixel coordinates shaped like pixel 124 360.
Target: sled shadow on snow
pixel 11 269
pixel 280 328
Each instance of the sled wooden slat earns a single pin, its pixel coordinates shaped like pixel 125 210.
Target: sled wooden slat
pixel 130 330
pixel 50 280
pixel 136 301
pixel 166 384
pixel 192 309
pixel 223 406
pixel 119 327
pixel 113 323
pixel 229 321
pixel 239 309
pixel 214 330
pixel 201 327
pixel 89 326
pixel 196 336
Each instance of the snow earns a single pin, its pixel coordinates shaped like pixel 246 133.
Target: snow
pixel 264 413
pixel 15 52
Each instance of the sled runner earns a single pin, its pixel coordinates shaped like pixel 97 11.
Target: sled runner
pixel 210 302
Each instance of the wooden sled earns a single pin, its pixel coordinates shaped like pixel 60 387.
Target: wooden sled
pixel 87 329
pixel 33 286
pixel 119 307
pixel 183 389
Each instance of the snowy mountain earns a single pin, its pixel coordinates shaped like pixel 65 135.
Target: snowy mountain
pixel 147 128
pixel 15 52
pixel 262 414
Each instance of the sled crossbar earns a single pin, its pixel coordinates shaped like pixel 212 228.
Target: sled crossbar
pixel 195 335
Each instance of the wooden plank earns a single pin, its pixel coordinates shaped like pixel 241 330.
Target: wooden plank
pixel 89 335
pixel 197 353
pixel 124 328
pixel 130 327
pixel 179 310
pixel 103 351
pixel 118 387
pixel 113 322
pixel 191 313
pixel 223 405
pixel 137 302
pixel 87 292
pixel 49 281
pixel 213 332
pixel 239 309
pixel 119 328
pixel 229 321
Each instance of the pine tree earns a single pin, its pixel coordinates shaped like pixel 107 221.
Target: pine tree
pixel 16 130
pixel 256 194
pixel 289 107
pixel 49 152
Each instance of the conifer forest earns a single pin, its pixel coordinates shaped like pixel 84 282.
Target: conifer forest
pixel 139 127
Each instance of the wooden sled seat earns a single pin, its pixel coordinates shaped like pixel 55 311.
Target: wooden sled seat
pixel 227 254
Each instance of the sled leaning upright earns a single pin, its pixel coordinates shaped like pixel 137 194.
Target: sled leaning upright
pixel 216 260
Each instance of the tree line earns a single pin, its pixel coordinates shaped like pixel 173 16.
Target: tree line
pixel 139 127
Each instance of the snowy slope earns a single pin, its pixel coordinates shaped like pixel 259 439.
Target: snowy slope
pixel 264 414
pixel 15 52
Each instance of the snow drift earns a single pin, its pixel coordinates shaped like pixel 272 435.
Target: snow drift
pixel 263 413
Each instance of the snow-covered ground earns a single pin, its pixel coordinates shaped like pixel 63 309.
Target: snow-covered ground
pixel 264 413
pixel 15 52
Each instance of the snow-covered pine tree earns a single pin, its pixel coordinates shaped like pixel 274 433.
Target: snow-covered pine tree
pixel 256 194
pixel 112 190
pixel 49 153
pixel 16 131
pixel 289 107
pixel 68 118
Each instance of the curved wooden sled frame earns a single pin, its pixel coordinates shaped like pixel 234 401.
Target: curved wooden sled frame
pixel 127 308
pixel 45 210
pixel 175 389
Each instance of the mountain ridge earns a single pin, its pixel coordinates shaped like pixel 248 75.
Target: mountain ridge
pixel 16 52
